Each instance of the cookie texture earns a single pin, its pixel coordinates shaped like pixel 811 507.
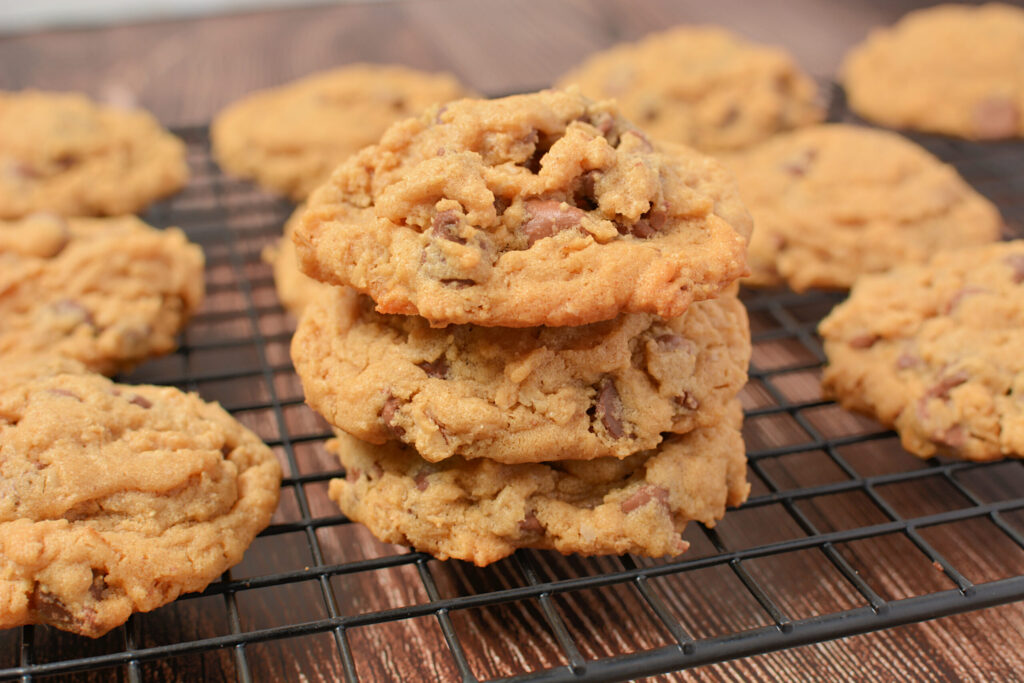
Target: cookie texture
pixel 294 288
pixel 834 202
pixel 935 351
pixel 117 499
pixel 951 69
pixel 540 209
pixel 482 511
pixel 62 152
pixel 109 292
pixel 520 395
pixel 702 86
pixel 290 138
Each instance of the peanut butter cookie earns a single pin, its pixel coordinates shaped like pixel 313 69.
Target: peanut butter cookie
pixel 836 201
pixel 294 288
pixel 482 511
pixel 117 499
pixel 702 86
pixel 109 292
pixel 935 350
pixel 951 69
pixel 290 138
pixel 520 395
pixel 61 152
pixel 540 209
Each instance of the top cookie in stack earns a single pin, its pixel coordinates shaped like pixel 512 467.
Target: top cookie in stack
pixel 541 209
pixel 607 419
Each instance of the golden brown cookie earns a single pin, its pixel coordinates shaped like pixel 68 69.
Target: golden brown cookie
pixel 294 288
pixel 540 209
pixel 937 351
pixel 702 86
pixel 607 389
pixel 109 292
pixel 836 201
pixel 290 138
pixel 117 499
pixel 950 69
pixel 482 511
pixel 61 152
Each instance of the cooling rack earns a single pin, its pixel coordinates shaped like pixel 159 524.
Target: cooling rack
pixel 843 534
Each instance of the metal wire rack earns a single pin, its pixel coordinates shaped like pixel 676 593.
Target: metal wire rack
pixel 834 498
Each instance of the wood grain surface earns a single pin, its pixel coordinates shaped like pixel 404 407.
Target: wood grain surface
pixel 186 71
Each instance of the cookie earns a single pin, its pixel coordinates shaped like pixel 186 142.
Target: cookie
pixel 109 292
pixel 61 152
pixel 834 202
pixel 482 511
pixel 295 289
pixel 607 389
pixel 951 69
pixel 290 138
pixel 117 499
pixel 702 86
pixel 540 209
pixel 934 350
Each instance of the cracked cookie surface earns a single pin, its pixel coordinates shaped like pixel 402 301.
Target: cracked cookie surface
pixel 109 292
pixel 702 86
pixel 607 389
pixel 540 209
pixel 935 351
pixel 290 138
pixel 836 201
pixel 481 511
pixel 950 69
pixel 117 499
pixel 61 152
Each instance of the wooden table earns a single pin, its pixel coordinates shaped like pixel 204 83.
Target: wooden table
pixel 185 71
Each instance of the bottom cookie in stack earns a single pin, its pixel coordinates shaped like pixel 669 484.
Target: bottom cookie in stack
pixel 481 511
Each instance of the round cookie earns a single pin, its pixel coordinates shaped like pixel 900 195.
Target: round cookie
pixel 109 292
pixel 935 351
pixel 295 289
pixel 950 69
pixel 290 138
pixel 117 499
pixel 482 511
pixel 607 389
pixel 834 202
pixel 540 209
pixel 61 152
pixel 702 86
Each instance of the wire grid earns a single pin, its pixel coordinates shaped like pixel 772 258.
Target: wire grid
pixel 236 351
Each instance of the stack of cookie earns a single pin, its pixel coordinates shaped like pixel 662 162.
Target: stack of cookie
pixel 533 339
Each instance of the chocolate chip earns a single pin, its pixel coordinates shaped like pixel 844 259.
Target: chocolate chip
pixel 353 474
pixel 906 361
pixel 99 584
pixel 608 408
pixel 583 194
pixel 421 480
pixel 446 226
pixel 799 164
pixel 387 416
pixel 1016 262
pixel 64 392
pixel 955 436
pixel 141 401
pixel 547 217
pixel 500 205
pixel 996 117
pixel 942 388
pixel 686 400
pixel 673 342
pixel 863 341
pixel 73 309
pixel 457 283
pixel 540 148
pixel 644 495
pixel 530 524
pixel 437 369
pixel 49 609
pixel 646 226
